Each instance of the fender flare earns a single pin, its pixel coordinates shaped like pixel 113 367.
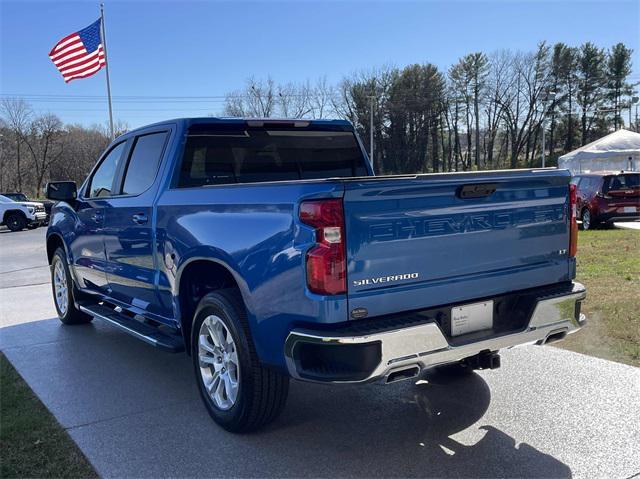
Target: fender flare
pixel 60 236
pixel 215 259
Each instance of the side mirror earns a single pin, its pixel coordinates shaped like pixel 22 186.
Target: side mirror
pixel 62 190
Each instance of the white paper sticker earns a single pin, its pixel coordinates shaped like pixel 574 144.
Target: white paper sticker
pixel 471 317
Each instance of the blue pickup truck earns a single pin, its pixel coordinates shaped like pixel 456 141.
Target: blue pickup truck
pixel 268 250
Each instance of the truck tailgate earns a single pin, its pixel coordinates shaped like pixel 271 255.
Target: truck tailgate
pixel 429 240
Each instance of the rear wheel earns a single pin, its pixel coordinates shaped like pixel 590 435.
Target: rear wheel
pixel 587 220
pixel 16 222
pixel 62 286
pixel 240 394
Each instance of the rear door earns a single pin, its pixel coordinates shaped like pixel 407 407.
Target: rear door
pixel 430 240
pixel 129 233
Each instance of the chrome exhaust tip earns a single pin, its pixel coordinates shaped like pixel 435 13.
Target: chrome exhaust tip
pixel 401 374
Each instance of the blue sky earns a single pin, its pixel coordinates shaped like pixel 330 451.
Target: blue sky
pixel 172 48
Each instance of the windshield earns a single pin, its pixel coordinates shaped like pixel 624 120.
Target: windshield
pixel 622 182
pixel 17 196
pixel 222 154
pixel 4 199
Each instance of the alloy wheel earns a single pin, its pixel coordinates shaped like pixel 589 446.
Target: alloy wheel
pixel 586 220
pixel 218 359
pixel 60 287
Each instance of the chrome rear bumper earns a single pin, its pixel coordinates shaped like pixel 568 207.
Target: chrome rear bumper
pixel 425 345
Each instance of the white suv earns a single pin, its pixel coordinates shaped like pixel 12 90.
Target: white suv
pixel 17 216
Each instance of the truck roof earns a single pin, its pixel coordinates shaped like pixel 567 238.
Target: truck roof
pixel 188 121
pixel 608 173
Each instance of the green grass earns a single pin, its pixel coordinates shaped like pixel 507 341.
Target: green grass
pixel 609 266
pixel 32 443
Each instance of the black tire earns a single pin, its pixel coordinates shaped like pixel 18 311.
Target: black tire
pixel 32 226
pixel 16 221
pixel 262 392
pixel 71 314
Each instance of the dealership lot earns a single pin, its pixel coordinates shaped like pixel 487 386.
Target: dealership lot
pixel 134 411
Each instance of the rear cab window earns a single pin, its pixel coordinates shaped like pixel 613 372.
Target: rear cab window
pixel 144 161
pixel 239 153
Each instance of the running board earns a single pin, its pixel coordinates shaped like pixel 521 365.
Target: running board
pixel 149 334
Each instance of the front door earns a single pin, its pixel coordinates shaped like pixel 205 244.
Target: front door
pixel 87 247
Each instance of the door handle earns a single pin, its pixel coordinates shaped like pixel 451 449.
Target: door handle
pixel 140 218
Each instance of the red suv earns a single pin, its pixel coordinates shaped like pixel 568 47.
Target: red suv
pixel 605 197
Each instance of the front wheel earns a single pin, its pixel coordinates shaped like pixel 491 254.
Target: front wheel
pixel 240 394
pixel 16 222
pixel 62 286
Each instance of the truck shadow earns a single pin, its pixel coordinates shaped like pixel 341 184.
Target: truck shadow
pixel 412 424
pixel 119 396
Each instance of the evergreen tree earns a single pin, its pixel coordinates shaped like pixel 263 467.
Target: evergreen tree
pixel 591 82
pixel 618 69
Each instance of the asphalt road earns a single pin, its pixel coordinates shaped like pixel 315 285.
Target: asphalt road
pixel 134 411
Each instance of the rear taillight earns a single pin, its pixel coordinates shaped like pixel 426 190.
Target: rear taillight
pixel 326 265
pixel 573 224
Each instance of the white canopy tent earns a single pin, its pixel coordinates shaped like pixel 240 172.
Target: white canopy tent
pixel 619 150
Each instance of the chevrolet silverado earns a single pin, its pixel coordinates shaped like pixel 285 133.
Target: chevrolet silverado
pixel 268 250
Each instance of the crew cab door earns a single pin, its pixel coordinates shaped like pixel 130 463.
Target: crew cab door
pixel 87 247
pixel 129 226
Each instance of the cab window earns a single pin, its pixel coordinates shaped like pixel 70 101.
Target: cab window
pixel 143 163
pixel 102 179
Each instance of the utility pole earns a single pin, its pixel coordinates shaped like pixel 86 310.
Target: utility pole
pixel 634 100
pixel 543 142
pixel 371 106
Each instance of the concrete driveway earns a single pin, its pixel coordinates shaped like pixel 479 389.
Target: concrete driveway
pixel 631 225
pixel 134 411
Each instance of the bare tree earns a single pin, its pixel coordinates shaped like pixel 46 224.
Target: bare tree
pixel 497 86
pixel 461 83
pixel 470 75
pixel 322 99
pixel 17 115
pixel 294 100
pixel 257 99
pixel 234 105
pixel 356 96
pixel 530 77
pixel 45 143
pixel 83 147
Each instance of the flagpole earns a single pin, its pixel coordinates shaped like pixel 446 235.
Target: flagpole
pixel 106 61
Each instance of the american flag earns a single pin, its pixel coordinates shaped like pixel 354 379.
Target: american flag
pixel 80 54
